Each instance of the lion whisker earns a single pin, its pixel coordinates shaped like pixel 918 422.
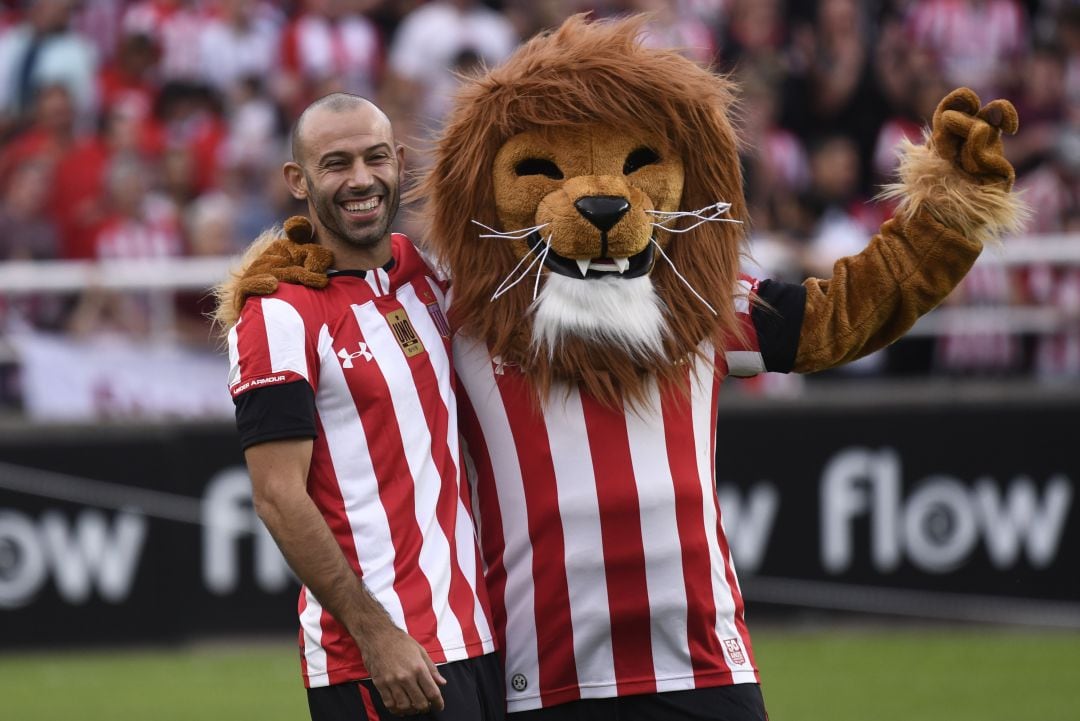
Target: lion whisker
pixel 688 228
pixel 680 276
pixel 506 285
pixel 714 212
pixel 519 234
pixel 540 267
pixel 715 208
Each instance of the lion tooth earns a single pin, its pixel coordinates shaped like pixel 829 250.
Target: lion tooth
pixel 583 265
pixel 623 264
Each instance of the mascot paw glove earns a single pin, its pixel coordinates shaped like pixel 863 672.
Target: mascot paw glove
pixel 969 136
pixel 292 259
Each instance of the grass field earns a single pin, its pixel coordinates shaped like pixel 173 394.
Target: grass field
pixel 836 675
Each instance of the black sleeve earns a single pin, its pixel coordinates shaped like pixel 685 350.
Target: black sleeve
pixel 274 413
pixel 779 323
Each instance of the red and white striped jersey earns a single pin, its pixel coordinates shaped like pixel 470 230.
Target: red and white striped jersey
pixel 386 470
pixel 607 564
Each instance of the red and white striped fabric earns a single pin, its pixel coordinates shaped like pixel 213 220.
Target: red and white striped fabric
pixel 386 469
pixel 607 564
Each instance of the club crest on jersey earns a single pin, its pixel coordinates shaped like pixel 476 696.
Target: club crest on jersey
pixel 734 649
pixel 439 319
pixel 405 333
pixel 347 358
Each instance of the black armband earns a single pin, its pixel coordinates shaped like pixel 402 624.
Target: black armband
pixel 275 413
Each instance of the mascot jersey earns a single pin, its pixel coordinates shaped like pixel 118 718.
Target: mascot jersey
pixel 607 565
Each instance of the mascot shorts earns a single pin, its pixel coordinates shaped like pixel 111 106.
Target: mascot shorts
pixel 474 692
pixel 741 702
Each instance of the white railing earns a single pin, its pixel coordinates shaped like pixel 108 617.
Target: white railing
pixel 58 276
pixel 162 278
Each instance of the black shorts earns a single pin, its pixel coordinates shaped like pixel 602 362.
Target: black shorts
pixel 474 691
pixel 741 702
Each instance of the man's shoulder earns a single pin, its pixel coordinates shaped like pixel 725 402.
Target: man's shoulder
pixel 301 299
pixel 411 260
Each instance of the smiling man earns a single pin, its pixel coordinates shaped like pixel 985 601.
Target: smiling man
pixel 344 401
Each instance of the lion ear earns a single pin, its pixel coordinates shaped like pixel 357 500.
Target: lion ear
pixel 299 230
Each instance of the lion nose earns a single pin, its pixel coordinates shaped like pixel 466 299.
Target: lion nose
pixel 603 211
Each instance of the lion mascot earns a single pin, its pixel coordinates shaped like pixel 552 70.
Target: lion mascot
pixel 586 200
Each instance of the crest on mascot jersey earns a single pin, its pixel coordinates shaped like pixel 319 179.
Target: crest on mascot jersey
pixel 734 649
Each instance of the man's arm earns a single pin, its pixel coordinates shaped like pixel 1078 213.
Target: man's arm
pixel 401 669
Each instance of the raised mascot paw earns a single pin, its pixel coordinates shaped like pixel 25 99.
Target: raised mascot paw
pixel 970 136
pixel 292 259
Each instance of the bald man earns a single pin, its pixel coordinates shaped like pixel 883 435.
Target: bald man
pixel 344 405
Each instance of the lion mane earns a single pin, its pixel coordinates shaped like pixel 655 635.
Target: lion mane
pixel 581 74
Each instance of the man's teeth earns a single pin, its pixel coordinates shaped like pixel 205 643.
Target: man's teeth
pixel 607 265
pixel 359 206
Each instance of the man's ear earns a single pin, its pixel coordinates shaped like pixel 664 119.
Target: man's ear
pixel 295 180
pixel 401 163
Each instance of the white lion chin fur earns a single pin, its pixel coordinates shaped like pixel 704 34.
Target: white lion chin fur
pixel 610 310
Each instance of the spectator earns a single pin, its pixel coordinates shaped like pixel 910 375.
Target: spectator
pixel 28 233
pixel 326 48
pixel 836 92
pixel 977 43
pixel 50 136
pixel 211 230
pixel 1041 102
pixel 141 223
pixel 842 220
pixel 242 43
pixel 755 34
pixel 915 111
pixel 78 186
pixel 775 161
pixel 176 27
pixel 191 118
pixel 130 79
pixel 441 36
pixel 43 52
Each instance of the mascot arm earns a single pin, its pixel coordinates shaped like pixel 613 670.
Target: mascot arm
pixel 291 259
pixel 955 196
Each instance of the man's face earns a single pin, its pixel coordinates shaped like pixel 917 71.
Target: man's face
pixel 352 173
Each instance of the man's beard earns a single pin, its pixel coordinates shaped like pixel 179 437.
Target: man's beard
pixel 329 214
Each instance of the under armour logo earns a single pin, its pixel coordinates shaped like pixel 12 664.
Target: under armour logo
pixel 501 365
pixel 347 358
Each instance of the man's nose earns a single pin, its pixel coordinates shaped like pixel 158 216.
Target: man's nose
pixel 361 176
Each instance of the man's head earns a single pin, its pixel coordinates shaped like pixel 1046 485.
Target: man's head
pixel 348 167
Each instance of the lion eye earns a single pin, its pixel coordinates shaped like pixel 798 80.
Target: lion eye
pixel 538 166
pixel 639 159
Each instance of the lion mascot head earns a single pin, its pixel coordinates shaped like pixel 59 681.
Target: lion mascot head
pixel 586 198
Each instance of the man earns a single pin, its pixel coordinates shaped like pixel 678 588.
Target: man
pixel 345 405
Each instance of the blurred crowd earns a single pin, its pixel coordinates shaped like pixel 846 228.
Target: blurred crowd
pixel 157 128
